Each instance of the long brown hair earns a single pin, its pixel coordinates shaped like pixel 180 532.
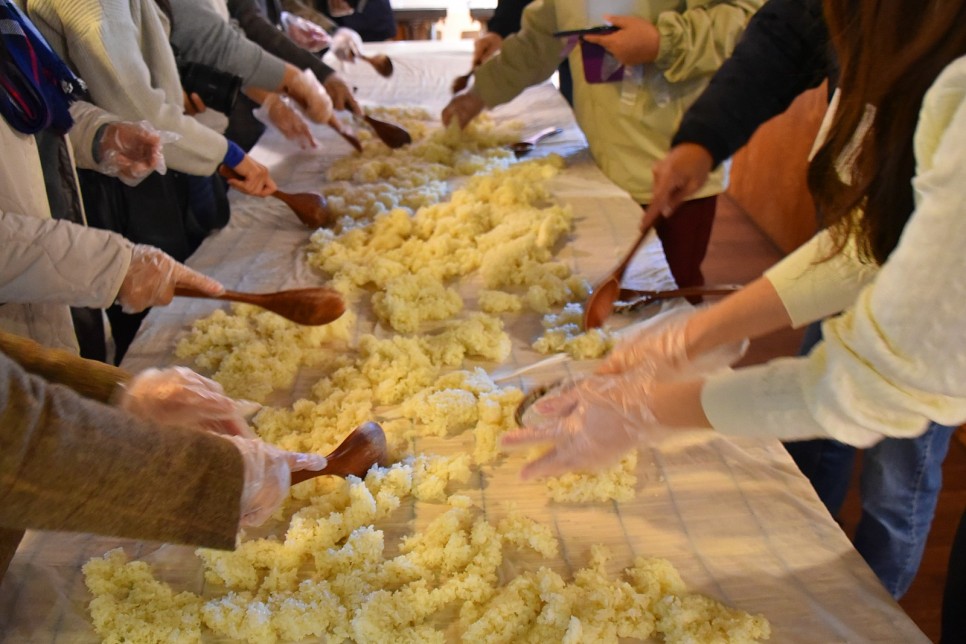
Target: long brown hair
pixel 890 52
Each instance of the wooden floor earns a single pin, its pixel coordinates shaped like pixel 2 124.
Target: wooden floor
pixel 739 253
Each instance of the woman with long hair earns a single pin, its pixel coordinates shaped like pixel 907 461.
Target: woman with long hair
pixel 888 180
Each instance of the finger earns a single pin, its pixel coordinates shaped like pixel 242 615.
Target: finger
pixel 298 461
pixel 197 103
pixel 203 283
pixel 269 184
pixel 526 436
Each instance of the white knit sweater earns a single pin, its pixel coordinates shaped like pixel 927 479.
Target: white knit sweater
pixel 121 50
pixel 897 357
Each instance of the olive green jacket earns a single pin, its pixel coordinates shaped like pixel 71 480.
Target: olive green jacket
pixel 628 125
pixel 69 463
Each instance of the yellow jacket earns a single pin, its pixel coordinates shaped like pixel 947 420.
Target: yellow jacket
pixel 625 140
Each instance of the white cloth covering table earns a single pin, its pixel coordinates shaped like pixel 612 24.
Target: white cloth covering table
pixel 736 518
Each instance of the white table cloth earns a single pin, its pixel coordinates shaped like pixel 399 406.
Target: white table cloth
pixel 736 518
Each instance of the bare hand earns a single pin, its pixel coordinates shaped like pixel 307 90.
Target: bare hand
pixel 255 179
pixel 636 41
pixel 678 176
pixel 193 104
pixel 464 108
pixel 341 95
pixel 485 47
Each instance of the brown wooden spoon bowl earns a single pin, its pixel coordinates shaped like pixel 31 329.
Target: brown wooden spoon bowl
pixel 364 447
pixel 311 306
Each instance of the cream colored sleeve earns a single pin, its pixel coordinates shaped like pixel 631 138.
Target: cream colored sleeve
pixel 526 58
pixel 894 360
pixel 814 284
pixel 88 119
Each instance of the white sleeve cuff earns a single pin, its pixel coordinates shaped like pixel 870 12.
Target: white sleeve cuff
pixel 812 285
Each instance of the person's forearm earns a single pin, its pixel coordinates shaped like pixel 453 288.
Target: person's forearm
pixel 678 404
pixel 752 312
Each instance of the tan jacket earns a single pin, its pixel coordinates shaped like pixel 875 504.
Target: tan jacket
pixel 629 128
pixel 69 463
pixel 77 266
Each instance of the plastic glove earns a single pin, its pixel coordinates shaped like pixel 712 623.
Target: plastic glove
pixel 131 151
pixel 679 175
pixel 589 424
pixel 346 43
pixel 306 90
pixel 464 108
pixel 485 47
pixel 660 348
pixel 304 33
pixel 268 476
pixel 288 121
pixel 255 179
pixel 152 276
pixel 178 396
pixel 341 95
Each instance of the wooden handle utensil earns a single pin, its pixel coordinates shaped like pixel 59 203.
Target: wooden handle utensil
pixel 601 302
pixel 389 133
pixel 311 306
pixel 311 208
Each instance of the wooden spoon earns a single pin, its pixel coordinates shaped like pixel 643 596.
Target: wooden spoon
pixel 336 125
pixel 311 306
pixel 310 207
pixel 601 303
pixel 631 300
pixel 461 82
pixel 380 62
pixel 391 134
pixel 524 147
pixel 364 447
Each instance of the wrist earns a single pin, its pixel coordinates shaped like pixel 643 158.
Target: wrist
pixel 234 155
pixel 96 143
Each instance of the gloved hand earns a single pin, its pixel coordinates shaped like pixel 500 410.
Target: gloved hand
pixel 304 33
pixel 589 424
pixel 131 151
pixel 268 476
pixel 682 171
pixel 464 108
pixel 306 90
pixel 346 43
pixel 288 121
pixel 152 276
pixel 341 95
pixel 178 396
pixel 660 348
pixel 485 47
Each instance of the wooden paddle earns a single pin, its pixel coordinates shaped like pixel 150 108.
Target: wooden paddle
pixel 391 134
pixel 310 207
pixel 310 306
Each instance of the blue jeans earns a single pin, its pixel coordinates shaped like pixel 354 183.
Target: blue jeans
pixel 899 488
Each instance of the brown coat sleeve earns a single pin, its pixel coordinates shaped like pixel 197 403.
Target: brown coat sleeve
pixel 68 463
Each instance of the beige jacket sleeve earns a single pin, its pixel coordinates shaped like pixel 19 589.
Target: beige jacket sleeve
pixel 69 463
pixel 526 58
pixel 695 42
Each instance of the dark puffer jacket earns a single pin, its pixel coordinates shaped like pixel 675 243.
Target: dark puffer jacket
pixel 784 51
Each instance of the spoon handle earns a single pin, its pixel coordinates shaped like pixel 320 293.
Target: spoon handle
pixel 232 296
pixel 542 134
